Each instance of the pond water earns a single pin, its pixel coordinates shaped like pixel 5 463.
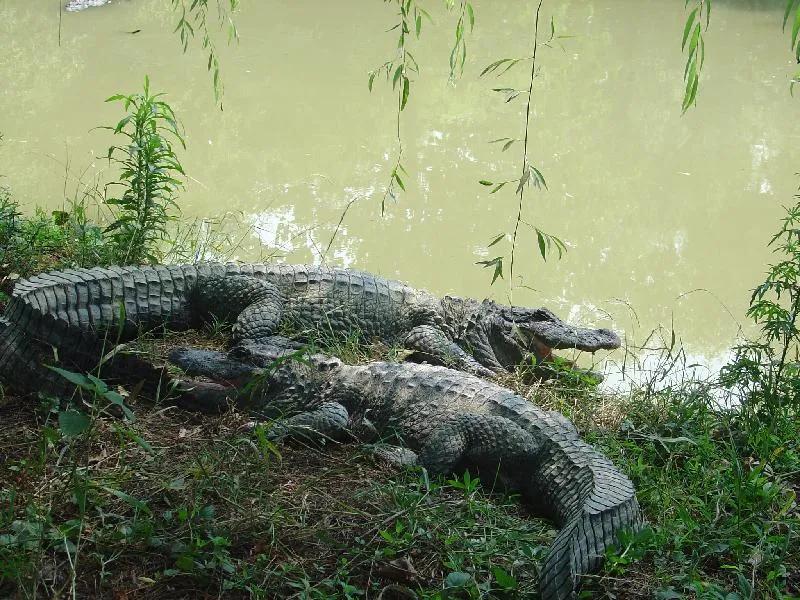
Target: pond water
pixel 666 216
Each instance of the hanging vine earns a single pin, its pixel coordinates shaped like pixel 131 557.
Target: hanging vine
pixel 399 70
pixel 793 6
pixel 695 47
pixel 530 175
pixel 194 22
pixel 458 55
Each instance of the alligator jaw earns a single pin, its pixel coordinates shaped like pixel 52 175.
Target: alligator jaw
pixel 209 363
pixel 551 331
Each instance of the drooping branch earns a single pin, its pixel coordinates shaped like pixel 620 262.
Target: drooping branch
pixel 530 174
pixel 695 47
pixel 792 15
pixel 194 22
pixel 397 70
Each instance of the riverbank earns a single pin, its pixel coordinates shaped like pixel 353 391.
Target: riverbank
pixel 172 504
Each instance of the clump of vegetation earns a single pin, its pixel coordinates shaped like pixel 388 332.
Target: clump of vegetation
pixel 137 231
pixel 150 173
pixel 64 238
pixel 719 490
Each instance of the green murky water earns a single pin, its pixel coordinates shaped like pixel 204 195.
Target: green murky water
pixel 653 205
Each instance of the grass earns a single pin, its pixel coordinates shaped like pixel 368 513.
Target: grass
pixel 41 242
pixel 208 508
pixel 211 511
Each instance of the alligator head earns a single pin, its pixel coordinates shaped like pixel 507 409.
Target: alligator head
pixel 265 379
pixel 500 337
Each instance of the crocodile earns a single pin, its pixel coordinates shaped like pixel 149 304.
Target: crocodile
pixel 445 421
pixel 81 314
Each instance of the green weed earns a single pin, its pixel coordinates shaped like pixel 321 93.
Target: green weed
pixel 150 176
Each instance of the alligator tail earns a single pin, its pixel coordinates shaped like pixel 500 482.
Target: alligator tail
pixel 604 504
pixel 73 317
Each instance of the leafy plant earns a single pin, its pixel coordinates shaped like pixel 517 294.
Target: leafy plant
pixel 530 175
pixel 150 175
pixel 762 369
pixel 466 483
pixel 193 18
pixel 695 48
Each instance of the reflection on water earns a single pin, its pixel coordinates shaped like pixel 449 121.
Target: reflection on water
pixel 652 204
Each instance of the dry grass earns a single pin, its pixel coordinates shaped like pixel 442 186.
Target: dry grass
pixel 316 518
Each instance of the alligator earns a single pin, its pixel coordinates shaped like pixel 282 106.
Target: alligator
pixel 76 316
pixel 445 421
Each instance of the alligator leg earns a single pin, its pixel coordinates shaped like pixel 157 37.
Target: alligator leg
pixel 434 344
pixel 329 421
pixel 399 456
pixel 479 440
pixel 257 304
pixel 260 319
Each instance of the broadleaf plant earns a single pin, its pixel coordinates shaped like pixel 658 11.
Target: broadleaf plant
pixel 150 176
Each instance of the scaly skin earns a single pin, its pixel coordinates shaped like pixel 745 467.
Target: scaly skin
pixel 83 312
pixel 453 420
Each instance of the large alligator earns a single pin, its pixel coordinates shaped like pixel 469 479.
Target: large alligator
pixel 78 315
pixel 452 420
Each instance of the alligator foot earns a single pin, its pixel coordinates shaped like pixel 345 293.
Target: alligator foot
pixel 436 347
pixel 328 422
pixel 485 441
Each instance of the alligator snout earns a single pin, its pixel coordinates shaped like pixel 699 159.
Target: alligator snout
pixel 557 334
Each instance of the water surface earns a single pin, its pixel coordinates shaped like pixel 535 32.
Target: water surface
pixel 652 205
